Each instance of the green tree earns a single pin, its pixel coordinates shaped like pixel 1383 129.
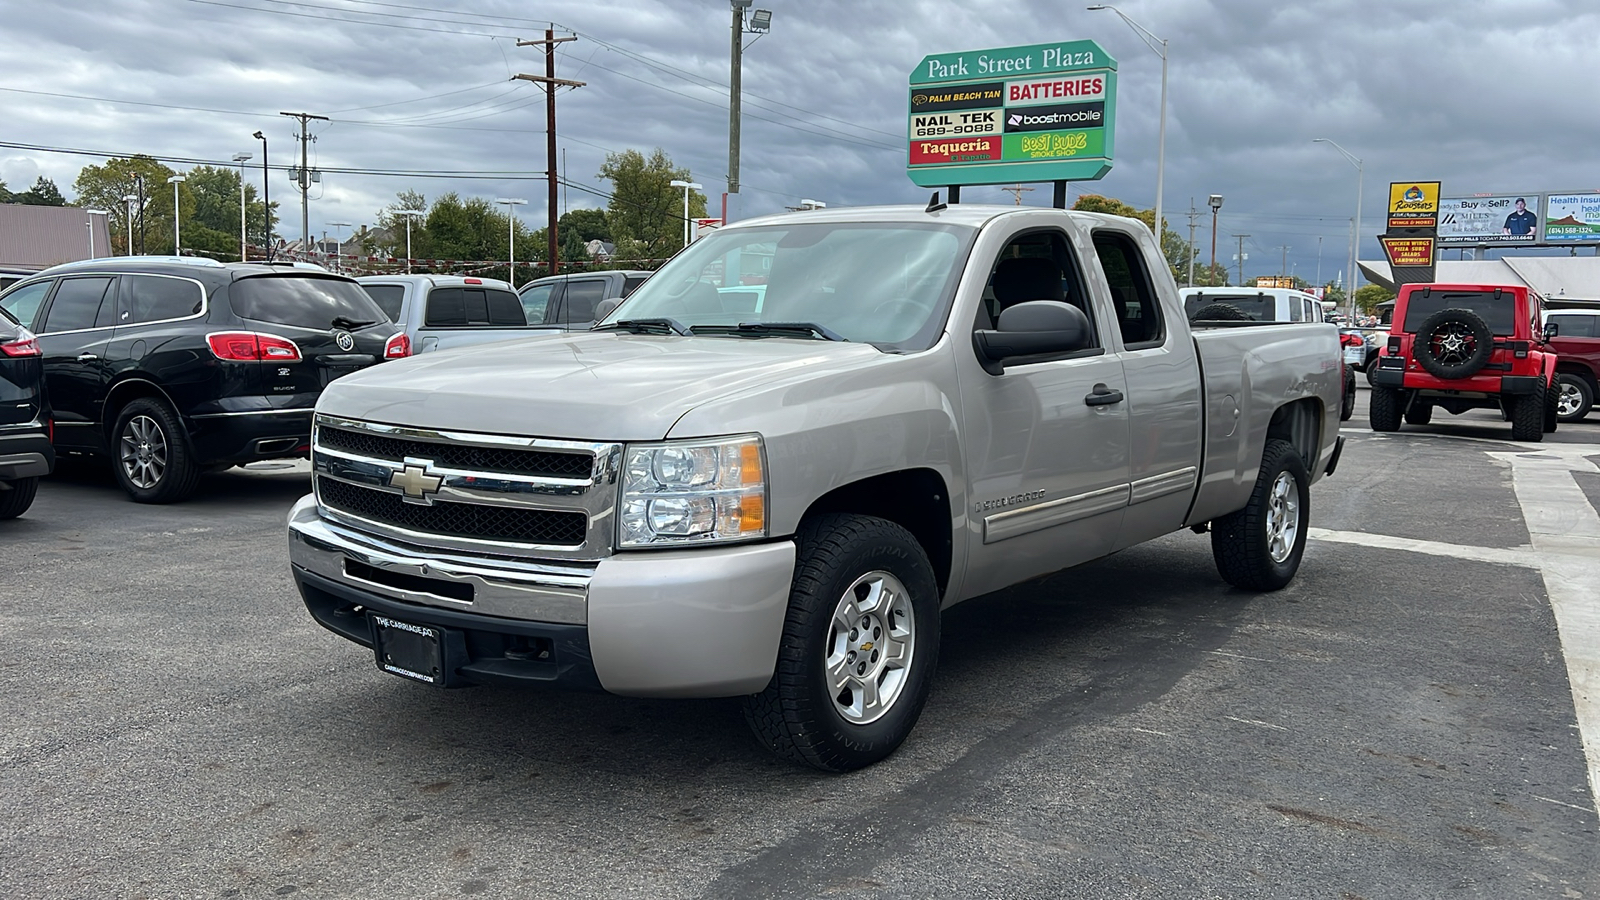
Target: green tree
pixel 103 187
pixel 43 193
pixel 1368 296
pixel 587 224
pixel 5 195
pixel 646 211
pixel 210 206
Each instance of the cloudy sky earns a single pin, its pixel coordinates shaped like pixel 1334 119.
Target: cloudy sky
pixel 1486 95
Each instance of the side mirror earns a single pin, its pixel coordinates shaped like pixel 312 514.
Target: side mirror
pixel 1031 329
pixel 1551 330
pixel 606 307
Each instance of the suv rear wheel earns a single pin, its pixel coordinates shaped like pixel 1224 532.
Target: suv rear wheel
pixel 153 461
pixel 1527 416
pixel 1574 397
pixel 1384 409
pixel 17 496
pixel 1420 412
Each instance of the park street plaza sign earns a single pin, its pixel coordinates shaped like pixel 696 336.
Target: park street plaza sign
pixel 1039 113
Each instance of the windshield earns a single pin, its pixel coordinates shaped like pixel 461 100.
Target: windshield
pixel 304 302
pixel 887 284
pixel 1260 307
pixel 1497 310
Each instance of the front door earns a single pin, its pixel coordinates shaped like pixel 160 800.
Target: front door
pixel 74 330
pixel 1047 455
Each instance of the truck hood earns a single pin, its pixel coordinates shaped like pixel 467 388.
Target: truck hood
pixel 588 386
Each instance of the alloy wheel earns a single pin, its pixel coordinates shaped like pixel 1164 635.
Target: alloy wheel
pixel 1569 400
pixel 871 640
pixel 143 450
pixel 1283 517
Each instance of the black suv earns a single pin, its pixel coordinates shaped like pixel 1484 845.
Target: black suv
pixel 172 367
pixel 25 451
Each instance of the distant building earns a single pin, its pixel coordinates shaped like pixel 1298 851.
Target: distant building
pixel 1563 281
pixel 599 250
pixel 37 237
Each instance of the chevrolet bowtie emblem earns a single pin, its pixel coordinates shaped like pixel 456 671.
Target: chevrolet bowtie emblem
pixel 418 486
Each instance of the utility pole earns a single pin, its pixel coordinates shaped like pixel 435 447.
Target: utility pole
pixel 1284 268
pixel 760 23
pixel 1016 191
pixel 550 82
pixel 1192 214
pixel 303 177
pixel 1240 257
pixel 1319 260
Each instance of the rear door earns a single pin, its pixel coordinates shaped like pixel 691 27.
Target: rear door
pixel 74 329
pixel 337 326
pixel 21 377
pixel 578 305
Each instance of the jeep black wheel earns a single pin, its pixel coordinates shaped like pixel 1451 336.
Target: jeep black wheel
pixel 859 646
pixel 1453 343
pixel 17 496
pixel 1420 412
pixel 1259 547
pixel 1347 406
pixel 1383 410
pixel 1527 416
pixel 152 460
pixel 1552 407
pixel 1574 397
pixel 1220 312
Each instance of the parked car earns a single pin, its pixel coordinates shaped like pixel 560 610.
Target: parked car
pixel 1466 346
pixel 1575 336
pixel 10 275
pixel 691 500
pixel 569 302
pixel 25 450
pixel 1228 305
pixel 171 368
pixel 438 312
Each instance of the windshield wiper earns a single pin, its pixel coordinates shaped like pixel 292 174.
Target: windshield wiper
pixel 773 329
pixel 352 324
pixel 660 325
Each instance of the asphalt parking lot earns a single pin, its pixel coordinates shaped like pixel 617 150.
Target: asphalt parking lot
pixel 1401 721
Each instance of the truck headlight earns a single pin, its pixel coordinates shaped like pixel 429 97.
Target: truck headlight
pixel 684 492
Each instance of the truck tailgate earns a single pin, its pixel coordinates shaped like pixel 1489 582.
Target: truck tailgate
pixel 1249 373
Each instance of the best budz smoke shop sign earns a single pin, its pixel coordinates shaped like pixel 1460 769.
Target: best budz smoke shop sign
pixel 1039 113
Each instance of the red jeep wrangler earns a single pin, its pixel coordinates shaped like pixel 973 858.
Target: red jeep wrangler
pixel 1466 346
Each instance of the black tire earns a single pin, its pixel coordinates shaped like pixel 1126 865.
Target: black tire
pixel 1347 406
pixel 169 474
pixel 1527 416
pixel 17 496
pixel 798 716
pixel 1552 407
pixel 1453 343
pixel 1574 398
pixel 1383 410
pixel 1250 550
pixel 1220 312
pixel 1420 412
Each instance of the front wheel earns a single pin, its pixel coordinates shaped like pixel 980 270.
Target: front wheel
pixel 17 496
pixel 1259 547
pixel 859 646
pixel 153 461
pixel 1574 398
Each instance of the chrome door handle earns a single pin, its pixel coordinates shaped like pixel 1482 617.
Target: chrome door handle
pixel 87 357
pixel 1102 396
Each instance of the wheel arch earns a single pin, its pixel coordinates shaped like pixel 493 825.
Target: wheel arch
pixel 1570 366
pixel 1300 423
pixel 126 391
pixel 917 500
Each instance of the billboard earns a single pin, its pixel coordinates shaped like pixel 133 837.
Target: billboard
pixel 1505 219
pixel 1413 204
pixel 1572 218
pixel 1043 112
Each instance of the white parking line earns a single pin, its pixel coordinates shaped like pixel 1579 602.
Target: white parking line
pixel 1433 548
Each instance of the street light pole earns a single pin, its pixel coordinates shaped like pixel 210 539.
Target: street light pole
pixel 338 248
pixel 1215 202
pixel 408 215
pixel 266 192
pixel 90 225
pixel 511 204
pixel 244 236
pixel 1355 224
pixel 1161 147
pixel 177 228
pixel 128 200
pixel 760 23
pixel 687 187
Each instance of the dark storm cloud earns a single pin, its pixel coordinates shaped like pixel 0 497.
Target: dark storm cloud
pixel 1485 96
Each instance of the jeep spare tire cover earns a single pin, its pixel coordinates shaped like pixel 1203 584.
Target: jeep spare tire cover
pixel 1453 343
pixel 1221 312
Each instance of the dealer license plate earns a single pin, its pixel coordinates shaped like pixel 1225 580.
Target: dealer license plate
pixel 410 651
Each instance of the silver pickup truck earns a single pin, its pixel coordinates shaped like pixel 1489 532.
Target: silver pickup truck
pixel 767 471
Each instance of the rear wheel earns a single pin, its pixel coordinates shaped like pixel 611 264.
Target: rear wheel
pixel 859 646
pixel 17 496
pixel 1552 402
pixel 1420 412
pixel 1347 407
pixel 1574 397
pixel 1527 416
pixel 1259 547
pixel 1383 410
pixel 153 461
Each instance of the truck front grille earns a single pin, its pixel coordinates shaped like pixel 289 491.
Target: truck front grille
pixel 542 463
pixel 464 520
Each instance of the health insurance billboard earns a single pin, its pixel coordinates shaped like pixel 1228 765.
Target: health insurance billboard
pixel 1487 220
pixel 1037 113
pixel 1572 219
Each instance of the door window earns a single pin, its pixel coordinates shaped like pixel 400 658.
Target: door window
pixel 152 298
pixel 1035 266
pixel 536 303
pixel 1570 326
pixel 631 284
pixel 389 297
pixel 1133 296
pixel 453 307
pixel 582 298
pixel 76 305
pixel 24 302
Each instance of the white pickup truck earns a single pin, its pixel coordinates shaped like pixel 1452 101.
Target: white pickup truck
pixel 772 493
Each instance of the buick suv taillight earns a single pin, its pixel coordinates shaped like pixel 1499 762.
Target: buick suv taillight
pixel 26 345
pixel 397 347
pixel 252 346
